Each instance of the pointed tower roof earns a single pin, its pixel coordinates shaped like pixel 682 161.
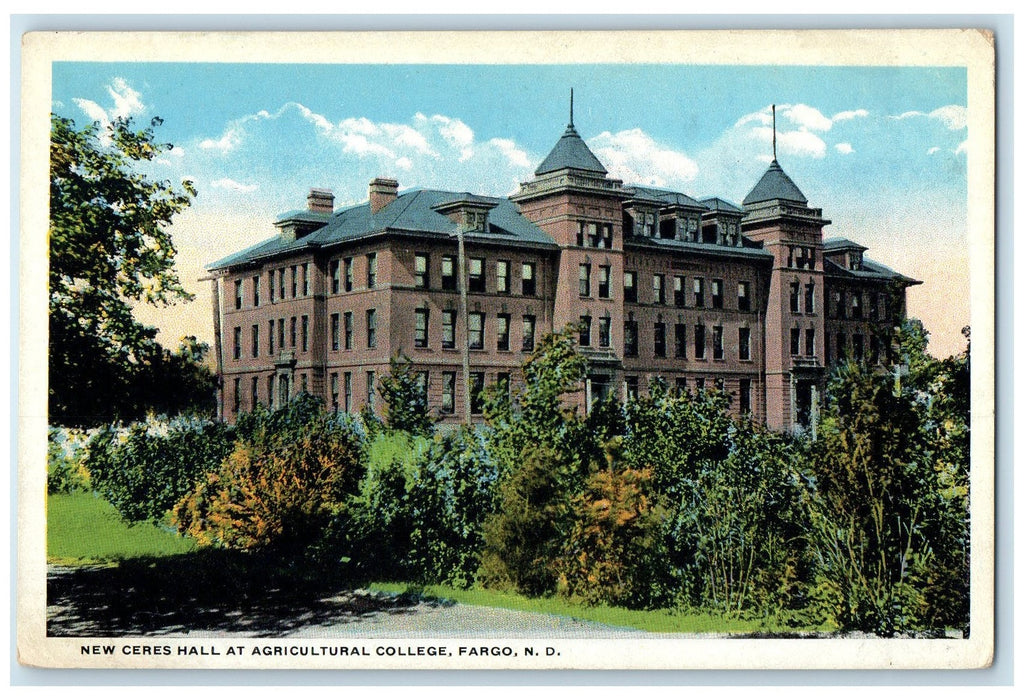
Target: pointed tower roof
pixel 571 152
pixel 775 184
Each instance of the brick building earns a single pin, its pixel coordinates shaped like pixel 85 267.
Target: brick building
pixel 698 294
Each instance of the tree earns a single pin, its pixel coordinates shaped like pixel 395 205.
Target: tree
pixel 406 396
pixel 109 249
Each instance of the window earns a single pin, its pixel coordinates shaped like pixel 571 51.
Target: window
pixel 448 329
pixel 658 287
pixel 794 341
pixel 422 338
pixel 348 391
pixel 255 340
pixel 680 340
pixel 794 297
pixel 280 334
pixel 284 389
pixel 581 233
pixel 477 280
pixel 476 330
pixel 629 333
pixel 584 331
pixel 348 330
pixel 716 294
pixel 659 339
pixel 841 350
pixel 236 399
pixel 348 274
pixel 679 291
pixel 593 239
pixel 422 269
pixel 680 385
pixel 744 344
pixel 270 338
pixel 335 332
pixel 334 392
pixel 585 280
pixel 604 331
pixel 448 279
pixel 883 302
pixel 858 347
pixel 855 310
pixel 238 294
pixel 629 286
pixel 292 331
pixel 744 396
pixel 809 298
pixel 371 270
pixel 295 281
pixel 270 391
pixel 529 279
pixel 699 341
pixel 447 392
pixel 501 270
pixel 280 282
pixel 604 281
pixel 371 328
pixel 256 290
pixel 305 334
pixel 304 383
pixel 335 276
pixel 809 342
pixel 529 328
pixel 632 385
pixel 270 281
pixel 717 349
pixel 238 343
pixel 836 307
pixel 254 393
pixel 504 321
pixel 698 292
pixel 305 279
pixel 371 382
pixel 743 296
pixel 476 391
pixel 873 306
pixel 874 349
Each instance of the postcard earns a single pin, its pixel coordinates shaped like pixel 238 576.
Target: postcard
pixel 507 350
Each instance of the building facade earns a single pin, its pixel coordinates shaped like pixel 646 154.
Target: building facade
pixel 750 300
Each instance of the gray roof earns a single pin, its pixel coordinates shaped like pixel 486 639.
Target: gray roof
pixel 748 251
pixel 719 204
pixel 412 211
pixel 870 270
pixel 842 244
pixel 774 184
pixel 571 152
pixel 664 197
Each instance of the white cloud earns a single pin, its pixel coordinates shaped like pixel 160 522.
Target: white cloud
pixel 953 117
pixel 636 158
pixel 516 156
pixel 92 110
pixel 127 101
pixel 849 114
pixel 844 148
pixel 227 142
pixel 962 148
pixel 805 117
pixel 226 183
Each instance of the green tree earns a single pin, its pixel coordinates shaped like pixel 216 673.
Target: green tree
pixel 109 249
pixel 406 397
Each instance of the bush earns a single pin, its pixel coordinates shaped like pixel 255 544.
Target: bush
pixel 290 472
pixel 65 461
pixel 145 468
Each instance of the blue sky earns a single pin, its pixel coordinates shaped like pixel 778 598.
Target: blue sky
pixel 882 150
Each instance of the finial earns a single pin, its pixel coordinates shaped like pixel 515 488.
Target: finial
pixel 774 154
pixel 570 107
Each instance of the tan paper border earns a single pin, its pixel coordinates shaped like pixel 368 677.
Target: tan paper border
pixel 972 49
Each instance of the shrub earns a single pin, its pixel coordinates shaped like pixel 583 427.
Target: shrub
pixel 291 471
pixel 145 468
pixel 65 461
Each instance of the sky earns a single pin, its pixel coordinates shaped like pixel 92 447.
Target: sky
pixel 881 150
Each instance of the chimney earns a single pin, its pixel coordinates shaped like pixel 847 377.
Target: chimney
pixel 383 191
pixel 320 201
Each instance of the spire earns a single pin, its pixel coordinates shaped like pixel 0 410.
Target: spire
pixel 570 110
pixel 571 151
pixel 775 184
pixel 775 156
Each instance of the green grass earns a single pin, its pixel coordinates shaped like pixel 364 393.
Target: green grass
pixel 82 528
pixel 669 621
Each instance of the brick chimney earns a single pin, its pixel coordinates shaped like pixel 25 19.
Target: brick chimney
pixel 383 191
pixel 320 201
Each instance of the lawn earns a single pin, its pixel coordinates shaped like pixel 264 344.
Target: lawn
pixel 82 528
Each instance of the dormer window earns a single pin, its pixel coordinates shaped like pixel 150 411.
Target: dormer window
pixel 856 260
pixel 476 221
